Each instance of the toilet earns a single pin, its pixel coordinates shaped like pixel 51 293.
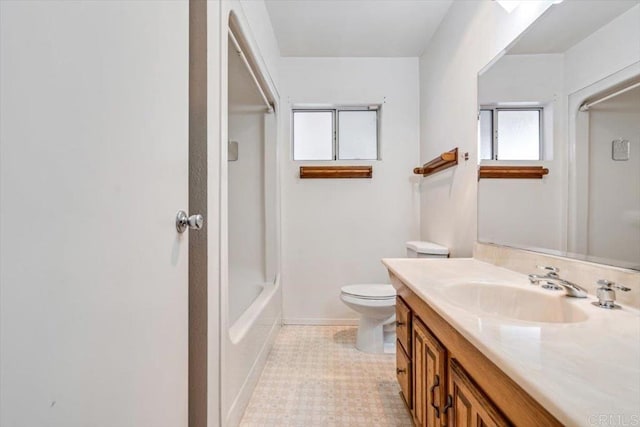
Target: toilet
pixel 377 307
pixel 376 304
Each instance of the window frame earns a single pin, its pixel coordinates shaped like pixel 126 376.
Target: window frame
pixel 335 122
pixel 494 129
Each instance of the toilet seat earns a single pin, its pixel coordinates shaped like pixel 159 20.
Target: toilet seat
pixel 370 292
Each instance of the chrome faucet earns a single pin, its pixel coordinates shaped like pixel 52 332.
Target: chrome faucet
pixel 552 278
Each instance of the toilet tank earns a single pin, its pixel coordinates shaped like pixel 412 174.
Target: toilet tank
pixel 419 249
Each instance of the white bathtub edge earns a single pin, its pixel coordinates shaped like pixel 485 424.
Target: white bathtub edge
pixel 246 391
pixel 243 324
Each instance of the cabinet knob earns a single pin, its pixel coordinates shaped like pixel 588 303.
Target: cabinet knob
pixel 399 323
pixel 400 371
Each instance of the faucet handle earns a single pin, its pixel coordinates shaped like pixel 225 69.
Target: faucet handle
pixel 608 284
pixel 606 295
pixel 551 271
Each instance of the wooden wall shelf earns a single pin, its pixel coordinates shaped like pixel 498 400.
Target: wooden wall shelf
pixel 512 172
pixel 442 162
pixel 336 172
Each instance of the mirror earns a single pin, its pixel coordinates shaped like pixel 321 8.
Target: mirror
pixel 566 96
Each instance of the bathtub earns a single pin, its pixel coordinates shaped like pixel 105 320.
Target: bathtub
pixel 245 346
pixel 250 310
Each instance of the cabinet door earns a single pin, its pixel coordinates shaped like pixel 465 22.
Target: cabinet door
pixel 403 324
pixel 470 406
pixel 403 373
pixel 429 379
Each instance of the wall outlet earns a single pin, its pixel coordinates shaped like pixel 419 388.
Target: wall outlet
pixel 620 149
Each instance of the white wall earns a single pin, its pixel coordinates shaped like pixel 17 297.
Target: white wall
pixel 336 231
pixel 470 36
pixel 246 212
pixel 533 79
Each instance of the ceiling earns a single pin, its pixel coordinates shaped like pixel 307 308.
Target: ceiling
pixel 567 23
pixel 360 28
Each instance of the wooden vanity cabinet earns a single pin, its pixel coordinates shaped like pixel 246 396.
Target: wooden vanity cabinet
pixel 446 381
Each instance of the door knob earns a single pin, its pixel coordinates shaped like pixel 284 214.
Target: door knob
pixel 183 221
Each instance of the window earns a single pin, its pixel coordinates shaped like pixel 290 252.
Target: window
pixel 313 135
pixel 510 133
pixel 342 133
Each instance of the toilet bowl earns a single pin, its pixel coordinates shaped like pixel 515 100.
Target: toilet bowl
pixel 376 304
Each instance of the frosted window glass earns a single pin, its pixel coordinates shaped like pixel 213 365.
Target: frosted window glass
pixel 357 135
pixel 313 135
pixel 518 135
pixel 485 131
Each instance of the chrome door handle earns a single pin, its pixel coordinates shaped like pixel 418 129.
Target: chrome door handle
pixel 195 222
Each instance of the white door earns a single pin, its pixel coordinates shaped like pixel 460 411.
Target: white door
pixel 93 168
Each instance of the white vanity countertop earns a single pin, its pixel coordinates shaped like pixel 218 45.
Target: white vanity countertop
pixel 577 371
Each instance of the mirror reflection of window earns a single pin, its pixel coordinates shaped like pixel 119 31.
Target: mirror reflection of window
pixel 518 135
pixel 510 133
pixel 486 134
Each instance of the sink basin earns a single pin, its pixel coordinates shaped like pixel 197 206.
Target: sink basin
pixel 514 302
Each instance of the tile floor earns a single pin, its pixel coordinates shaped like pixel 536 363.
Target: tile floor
pixel 314 376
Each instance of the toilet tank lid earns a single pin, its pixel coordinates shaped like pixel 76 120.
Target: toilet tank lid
pixel 427 248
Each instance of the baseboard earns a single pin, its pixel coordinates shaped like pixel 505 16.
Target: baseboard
pixel 326 322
